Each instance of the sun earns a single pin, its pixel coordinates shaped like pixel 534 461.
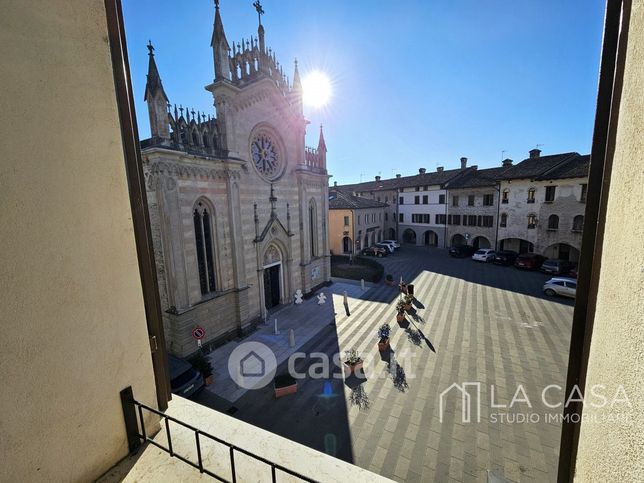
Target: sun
pixel 317 89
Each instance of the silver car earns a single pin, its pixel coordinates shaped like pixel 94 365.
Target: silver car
pixel 564 286
pixel 394 243
pixel 387 246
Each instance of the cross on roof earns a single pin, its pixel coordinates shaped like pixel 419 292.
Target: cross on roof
pixel 260 10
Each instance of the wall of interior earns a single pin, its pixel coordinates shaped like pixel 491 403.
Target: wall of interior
pixel 73 321
pixel 611 447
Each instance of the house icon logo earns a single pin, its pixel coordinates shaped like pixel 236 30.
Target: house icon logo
pixel 468 405
pixel 252 365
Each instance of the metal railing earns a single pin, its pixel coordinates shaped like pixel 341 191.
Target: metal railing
pixel 132 408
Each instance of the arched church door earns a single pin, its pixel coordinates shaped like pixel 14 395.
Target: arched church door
pixel 272 286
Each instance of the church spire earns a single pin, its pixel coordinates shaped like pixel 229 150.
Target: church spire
pixel 156 99
pixel 297 90
pixel 220 47
pixel 153 85
pixel 321 143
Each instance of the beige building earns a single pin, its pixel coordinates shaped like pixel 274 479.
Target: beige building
pixel 354 222
pixel 542 205
pixel 238 204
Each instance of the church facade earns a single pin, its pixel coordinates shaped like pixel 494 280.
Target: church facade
pixel 238 204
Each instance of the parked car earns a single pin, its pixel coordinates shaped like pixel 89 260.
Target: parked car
pixel 529 261
pixel 564 286
pixel 386 246
pixel 557 267
pixel 392 242
pixel 185 380
pixel 505 257
pixel 461 251
pixel 483 255
pixel 375 252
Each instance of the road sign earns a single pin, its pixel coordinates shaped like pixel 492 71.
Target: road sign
pixel 198 333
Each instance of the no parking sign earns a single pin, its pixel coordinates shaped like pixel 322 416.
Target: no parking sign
pixel 199 333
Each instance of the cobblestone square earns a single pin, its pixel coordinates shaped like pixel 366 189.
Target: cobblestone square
pixel 478 323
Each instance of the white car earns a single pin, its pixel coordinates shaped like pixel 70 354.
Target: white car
pixel 561 286
pixel 387 246
pixel 484 255
pixel 393 243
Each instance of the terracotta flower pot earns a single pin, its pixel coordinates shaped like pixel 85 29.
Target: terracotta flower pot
pixel 389 282
pixel 284 385
pixel 400 317
pixel 383 345
pixel 408 307
pixel 352 368
pixel 208 380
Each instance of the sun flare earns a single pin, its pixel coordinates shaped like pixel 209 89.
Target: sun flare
pixel 317 89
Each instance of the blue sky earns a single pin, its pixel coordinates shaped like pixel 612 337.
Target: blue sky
pixel 415 83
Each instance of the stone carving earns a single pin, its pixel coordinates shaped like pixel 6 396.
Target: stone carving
pixel 321 299
pixel 272 255
pixel 315 273
pixel 298 296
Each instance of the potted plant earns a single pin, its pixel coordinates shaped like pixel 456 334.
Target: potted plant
pixel 389 280
pixel 383 337
pixel 202 364
pixel 407 299
pixel 400 310
pixel 352 362
pixel 284 384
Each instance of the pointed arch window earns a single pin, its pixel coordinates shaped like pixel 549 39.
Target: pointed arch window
pixel 202 220
pixel 313 228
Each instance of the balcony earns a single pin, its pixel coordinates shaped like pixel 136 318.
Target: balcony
pixel 228 448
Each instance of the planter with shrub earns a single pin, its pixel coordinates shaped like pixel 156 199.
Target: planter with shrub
pixel 383 337
pixel 352 362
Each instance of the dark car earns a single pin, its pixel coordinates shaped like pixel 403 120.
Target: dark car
pixel 185 380
pixel 557 267
pixel 505 257
pixel 462 251
pixel 529 261
pixel 375 252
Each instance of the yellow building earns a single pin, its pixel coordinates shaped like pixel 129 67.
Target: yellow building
pixel 354 222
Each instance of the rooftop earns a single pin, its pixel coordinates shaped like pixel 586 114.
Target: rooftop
pixel 343 200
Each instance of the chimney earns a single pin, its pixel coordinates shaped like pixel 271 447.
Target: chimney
pixel 335 183
pixel 463 163
pixel 535 153
pixel 507 162
pixel 475 166
pixel 377 178
pixel 439 169
pixel 421 170
pixel 397 176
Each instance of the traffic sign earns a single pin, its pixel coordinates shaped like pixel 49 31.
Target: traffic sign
pixel 198 333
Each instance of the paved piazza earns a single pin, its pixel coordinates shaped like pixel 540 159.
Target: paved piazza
pixel 475 323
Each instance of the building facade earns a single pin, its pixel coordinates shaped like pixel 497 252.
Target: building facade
pixel 536 205
pixel 238 204
pixel 542 205
pixel 354 222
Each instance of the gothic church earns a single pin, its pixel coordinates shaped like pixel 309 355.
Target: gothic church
pixel 238 204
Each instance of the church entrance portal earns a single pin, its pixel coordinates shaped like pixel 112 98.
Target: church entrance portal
pixel 272 286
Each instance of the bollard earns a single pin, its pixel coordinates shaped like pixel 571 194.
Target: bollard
pixel 291 338
pixel 362 283
pixel 277 332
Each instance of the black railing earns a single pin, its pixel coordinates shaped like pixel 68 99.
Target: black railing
pixel 131 407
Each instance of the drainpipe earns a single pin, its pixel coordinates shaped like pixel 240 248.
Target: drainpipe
pixel 498 212
pixel 446 206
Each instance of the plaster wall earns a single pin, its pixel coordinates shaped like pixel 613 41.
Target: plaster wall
pixel 73 321
pixel 611 447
